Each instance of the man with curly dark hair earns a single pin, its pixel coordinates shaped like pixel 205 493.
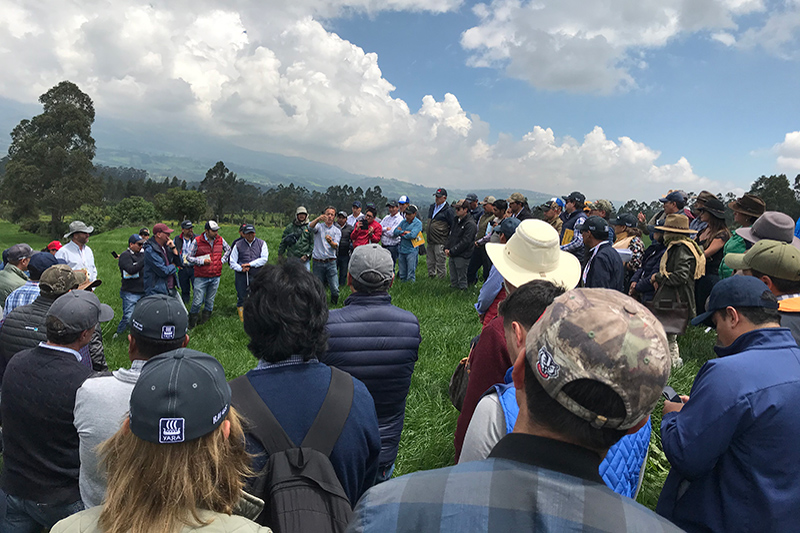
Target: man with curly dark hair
pixel 285 316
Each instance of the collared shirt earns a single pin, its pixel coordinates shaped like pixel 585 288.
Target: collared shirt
pixel 190 254
pixel 389 223
pixel 64 349
pixel 292 360
pixel 528 483
pixel 779 298
pixel 352 220
pixel 322 249
pixel 21 296
pixel 78 258
pixel 438 207
pixel 255 263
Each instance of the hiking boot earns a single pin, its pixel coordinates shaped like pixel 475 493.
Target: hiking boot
pixel 193 319
pixel 204 317
pixel 240 310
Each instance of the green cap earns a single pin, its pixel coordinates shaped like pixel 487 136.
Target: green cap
pixel 606 336
pixel 776 259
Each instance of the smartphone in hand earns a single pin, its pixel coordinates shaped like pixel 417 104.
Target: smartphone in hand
pixel 115 255
pixel 670 394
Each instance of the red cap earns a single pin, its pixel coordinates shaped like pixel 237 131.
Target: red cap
pixel 54 245
pixel 161 228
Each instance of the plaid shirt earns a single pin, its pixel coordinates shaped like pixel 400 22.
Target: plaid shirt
pixel 528 483
pixel 21 296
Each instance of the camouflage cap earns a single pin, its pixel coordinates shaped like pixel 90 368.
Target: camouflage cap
pixel 517 197
pixel 58 280
pixel 605 336
pixel 604 205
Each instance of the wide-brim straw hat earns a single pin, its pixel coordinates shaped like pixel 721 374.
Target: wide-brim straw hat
pixel 532 253
pixel 750 205
pixel 676 223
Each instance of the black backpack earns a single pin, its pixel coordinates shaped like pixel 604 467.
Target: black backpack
pixel 298 484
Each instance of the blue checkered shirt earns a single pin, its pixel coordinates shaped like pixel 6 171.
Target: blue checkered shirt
pixel 528 484
pixel 21 296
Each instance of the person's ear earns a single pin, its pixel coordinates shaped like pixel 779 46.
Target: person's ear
pixel 768 282
pixel 226 428
pixel 350 280
pixel 518 372
pixel 733 315
pixel 185 341
pixel 520 335
pixel 131 345
pixel 639 425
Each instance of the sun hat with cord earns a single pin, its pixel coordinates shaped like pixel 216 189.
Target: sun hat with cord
pixel 676 223
pixel 533 252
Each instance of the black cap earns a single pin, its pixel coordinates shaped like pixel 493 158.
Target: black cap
pixel 411 209
pixel 187 224
pixel 440 192
pixel 471 197
pixel 597 226
pixel 575 197
pixel 625 219
pixel 180 396
pixel 144 232
pixel 160 317
pixel 248 228
pixel 392 203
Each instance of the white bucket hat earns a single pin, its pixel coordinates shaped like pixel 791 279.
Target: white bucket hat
pixel 533 252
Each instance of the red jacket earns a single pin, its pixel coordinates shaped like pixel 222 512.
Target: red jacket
pixel 359 237
pixel 215 249
pixel 489 363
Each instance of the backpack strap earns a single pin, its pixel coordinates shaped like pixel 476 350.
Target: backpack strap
pixel 330 420
pixel 261 423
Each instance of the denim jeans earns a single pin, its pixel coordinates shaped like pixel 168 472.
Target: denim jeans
pixel 395 251
pixel 186 280
pixel 343 261
pixel 129 300
pixel 407 263
pixel 326 273
pixel 27 516
pixel 242 282
pixel 205 290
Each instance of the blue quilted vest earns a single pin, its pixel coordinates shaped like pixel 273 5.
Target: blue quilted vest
pixel 622 467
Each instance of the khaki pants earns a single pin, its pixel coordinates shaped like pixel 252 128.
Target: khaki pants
pixel 437 265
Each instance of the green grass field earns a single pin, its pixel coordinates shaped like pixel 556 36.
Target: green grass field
pixel 448 322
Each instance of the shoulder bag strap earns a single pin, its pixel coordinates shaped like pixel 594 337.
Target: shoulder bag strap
pixel 260 422
pixel 330 420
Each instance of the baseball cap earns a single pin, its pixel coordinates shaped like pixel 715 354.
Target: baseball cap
pixel 144 231
pixel 356 204
pixel 57 280
pixel 212 225
pixel 489 200
pixel 625 219
pixel 736 291
pixel 533 252
pixel 54 245
pixel 596 225
pixel 677 196
pixel 403 200
pixel 180 396
pixel 371 265
pixel 461 203
pixel 517 197
pixel 507 227
pixel 161 228
pixel 248 228
pixel 472 197
pixel 575 197
pixel 604 205
pixel 776 259
pixel 392 203
pixel 440 192
pixel 553 202
pixel 18 252
pixel 605 336
pixel 160 317
pixel 411 209
pixel 134 238
pixel 80 310
pixel 341 214
pixel 39 263
pixel 187 224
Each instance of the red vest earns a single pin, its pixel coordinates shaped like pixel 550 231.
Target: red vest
pixel 214 270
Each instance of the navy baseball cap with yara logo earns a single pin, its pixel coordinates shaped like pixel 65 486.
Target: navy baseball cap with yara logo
pixel 736 291
pixel 180 396
pixel 160 317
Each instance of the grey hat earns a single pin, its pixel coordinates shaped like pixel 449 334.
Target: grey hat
pixel 180 396
pixel 77 226
pixel 772 225
pixel 507 227
pixel 18 252
pixel 212 225
pixel 341 214
pixel 57 280
pixel 160 317
pixel 187 224
pixel 79 310
pixel 371 265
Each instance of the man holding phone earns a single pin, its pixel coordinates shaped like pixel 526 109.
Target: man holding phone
pixel 131 264
pixel 732 443
pixel 367 230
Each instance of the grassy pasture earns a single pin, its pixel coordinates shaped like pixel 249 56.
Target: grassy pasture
pixel 446 317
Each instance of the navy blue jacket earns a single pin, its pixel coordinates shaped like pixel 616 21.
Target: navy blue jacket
pixel 733 447
pixel 377 343
pixel 156 271
pixel 606 269
pixel 651 260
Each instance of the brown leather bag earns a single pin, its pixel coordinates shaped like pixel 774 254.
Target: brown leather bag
pixel 458 383
pixel 674 316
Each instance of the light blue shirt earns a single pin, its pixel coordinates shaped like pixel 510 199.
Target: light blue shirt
pixel 64 349
pixel 489 291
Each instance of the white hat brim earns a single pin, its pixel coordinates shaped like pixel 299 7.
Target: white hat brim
pixel 567 274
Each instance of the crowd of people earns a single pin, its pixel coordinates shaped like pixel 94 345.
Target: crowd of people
pixel 555 396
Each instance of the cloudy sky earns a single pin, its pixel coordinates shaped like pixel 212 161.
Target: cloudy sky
pixel 616 98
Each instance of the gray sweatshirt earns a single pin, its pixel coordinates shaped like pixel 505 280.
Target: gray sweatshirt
pixel 101 405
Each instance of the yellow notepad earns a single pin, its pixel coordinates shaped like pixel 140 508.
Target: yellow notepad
pixel 418 240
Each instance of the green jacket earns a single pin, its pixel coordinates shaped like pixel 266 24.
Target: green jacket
pixel 296 241
pixel 679 285
pixel 735 245
pixel 10 278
